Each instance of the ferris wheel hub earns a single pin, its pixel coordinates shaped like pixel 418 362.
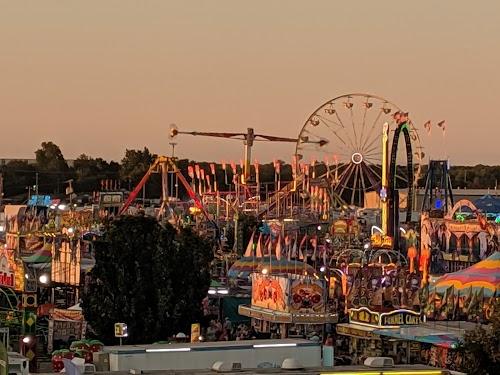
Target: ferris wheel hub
pixel 357 158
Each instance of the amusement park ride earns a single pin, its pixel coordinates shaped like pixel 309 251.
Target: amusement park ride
pixel 345 132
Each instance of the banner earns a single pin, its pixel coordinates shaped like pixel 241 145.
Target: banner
pixel 66 263
pixel 270 292
pixel 307 295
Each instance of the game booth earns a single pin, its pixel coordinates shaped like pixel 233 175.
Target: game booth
pixel 288 305
pixel 461 238
pixel 468 294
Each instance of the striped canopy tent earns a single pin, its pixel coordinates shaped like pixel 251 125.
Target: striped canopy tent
pixel 482 275
pixel 243 267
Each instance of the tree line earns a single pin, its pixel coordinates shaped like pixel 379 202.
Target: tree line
pixel 51 172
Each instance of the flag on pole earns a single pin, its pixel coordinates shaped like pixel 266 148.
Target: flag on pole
pixel 249 250
pixel 256 165
pixel 294 248
pixel 269 246
pixel 278 248
pixel 442 125
pixel 207 177
pixel 314 244
pixel 427 126
pixel 302 242
pixel 258 250
pixel 225 171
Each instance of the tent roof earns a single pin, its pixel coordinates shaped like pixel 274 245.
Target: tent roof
pixel 484 274
pixel 488 204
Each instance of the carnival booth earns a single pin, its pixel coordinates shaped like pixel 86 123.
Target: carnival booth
pixel 461 238
pixel 65 325
pixel 465 295
pixel 288 304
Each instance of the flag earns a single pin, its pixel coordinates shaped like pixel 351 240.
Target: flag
pixel 287 247
pixel 197 171
pixel 294 248
pixel 258 250
pixel 269 245
pixel 190 171
pixel 278 248
pixel 277 166
pixel 256 165
pixel 442 125
pixel 302 242
pixel 207 177
pixel 249 250
pixel 314 244
pixel 427 126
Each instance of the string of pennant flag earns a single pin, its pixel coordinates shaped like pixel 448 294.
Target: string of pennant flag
pixel 440 124
pixel 291 248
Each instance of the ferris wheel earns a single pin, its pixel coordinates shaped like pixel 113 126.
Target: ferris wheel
pixel 345 135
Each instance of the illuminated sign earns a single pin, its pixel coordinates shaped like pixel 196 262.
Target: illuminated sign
pixel 7 275
pixel 121 330
pixel 40 200
pixel 400 318
pixel 396 318
pixel 380 241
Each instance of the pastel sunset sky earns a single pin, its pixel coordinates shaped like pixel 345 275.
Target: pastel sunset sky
pixel 98 77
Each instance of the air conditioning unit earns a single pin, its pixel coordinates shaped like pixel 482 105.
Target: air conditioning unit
pixel 379 362
pixel 221 366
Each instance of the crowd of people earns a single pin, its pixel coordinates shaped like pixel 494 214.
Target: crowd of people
pixel 226 331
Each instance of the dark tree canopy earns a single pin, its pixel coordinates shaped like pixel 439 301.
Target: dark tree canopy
pixel 148 276
pixel 49 157
pixel 481 347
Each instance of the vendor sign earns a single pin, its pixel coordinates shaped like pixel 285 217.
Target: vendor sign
pixel 396 318
pixel 307 295
pixel 270 292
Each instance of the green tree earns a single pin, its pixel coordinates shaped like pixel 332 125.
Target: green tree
pixel 148 276
pixel 18 175
pixel 50 158
pixel 481 347
pixel 89 172
pixel 135 164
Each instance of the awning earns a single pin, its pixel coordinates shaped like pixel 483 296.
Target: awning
pixel 286 317
pixel 421 334
pixel 357 330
